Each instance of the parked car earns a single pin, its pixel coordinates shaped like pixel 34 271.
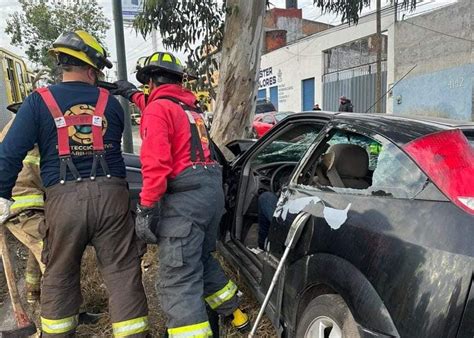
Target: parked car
pixel 262 123
pixel 264 106
pixel 388 250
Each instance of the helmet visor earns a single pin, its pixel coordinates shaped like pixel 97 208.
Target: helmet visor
pixel 73 41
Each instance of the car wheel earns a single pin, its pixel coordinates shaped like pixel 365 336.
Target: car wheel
pixel 327 316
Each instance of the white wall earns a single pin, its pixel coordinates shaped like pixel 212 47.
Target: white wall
pixel 305 59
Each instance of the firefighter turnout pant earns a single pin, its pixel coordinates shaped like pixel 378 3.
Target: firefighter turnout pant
pixel 188 274
pixel 25 226
pixel 97 213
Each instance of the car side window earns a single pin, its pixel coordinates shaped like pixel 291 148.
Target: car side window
pixel 289 146
pixel 396 174
pixel 355 163
pixel 268 119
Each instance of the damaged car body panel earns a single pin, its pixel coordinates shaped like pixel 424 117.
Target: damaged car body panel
pixel 384 236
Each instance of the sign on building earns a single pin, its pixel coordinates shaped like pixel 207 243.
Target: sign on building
pixel 130 9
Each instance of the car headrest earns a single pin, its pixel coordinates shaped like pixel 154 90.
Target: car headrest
pixel 350 160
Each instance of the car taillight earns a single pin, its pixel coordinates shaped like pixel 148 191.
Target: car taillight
pixel 448 160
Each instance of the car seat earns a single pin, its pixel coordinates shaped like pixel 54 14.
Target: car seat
pixel 347 166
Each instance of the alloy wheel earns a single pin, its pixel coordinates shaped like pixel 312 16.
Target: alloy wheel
pixel 323 327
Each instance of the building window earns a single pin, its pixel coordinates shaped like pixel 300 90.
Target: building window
pixel 262 94
pixel 353 54
pixel 274 96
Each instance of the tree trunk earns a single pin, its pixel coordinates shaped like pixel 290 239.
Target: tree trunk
pixel 240 63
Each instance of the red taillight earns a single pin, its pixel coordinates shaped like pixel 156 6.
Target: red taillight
pixel 448 160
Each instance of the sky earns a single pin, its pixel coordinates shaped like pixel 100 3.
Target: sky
pixel 136 46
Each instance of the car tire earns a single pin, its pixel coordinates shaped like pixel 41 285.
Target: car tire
pixel 327 316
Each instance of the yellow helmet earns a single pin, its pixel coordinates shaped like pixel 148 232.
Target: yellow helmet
pixel 160 62
pixel 82 46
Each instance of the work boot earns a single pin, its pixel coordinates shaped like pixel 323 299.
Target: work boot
pixel 33 279
pixel 240 321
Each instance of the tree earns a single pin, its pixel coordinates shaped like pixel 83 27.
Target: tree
pixel 38 24
pixel 197 27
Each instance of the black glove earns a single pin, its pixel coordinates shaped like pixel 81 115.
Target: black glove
pixel 143 224
pixel 125 89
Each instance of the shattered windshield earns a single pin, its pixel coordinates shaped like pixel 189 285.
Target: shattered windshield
pixel 289 147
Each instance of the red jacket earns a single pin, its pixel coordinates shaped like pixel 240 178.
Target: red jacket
pixel 166 139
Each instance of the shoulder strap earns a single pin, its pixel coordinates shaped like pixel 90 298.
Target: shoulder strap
pixel 196 144
pixel 97 138
pixel 59 120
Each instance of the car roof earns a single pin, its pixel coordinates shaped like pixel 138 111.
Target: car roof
pixel 399 129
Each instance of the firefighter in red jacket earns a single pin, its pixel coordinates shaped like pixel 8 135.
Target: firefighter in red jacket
pixel 182 187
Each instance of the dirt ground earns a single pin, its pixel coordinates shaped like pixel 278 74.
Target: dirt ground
pixel 95 296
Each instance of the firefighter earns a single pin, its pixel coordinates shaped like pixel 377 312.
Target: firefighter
pixel 26 216
pixel 182 189
pixel 78 128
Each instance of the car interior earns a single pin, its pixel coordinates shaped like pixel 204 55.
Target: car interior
pixel 269 169
pixel 342 160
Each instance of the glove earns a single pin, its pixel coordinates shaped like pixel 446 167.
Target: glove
pixel 125 89
pixel 143 224
pixel 4 209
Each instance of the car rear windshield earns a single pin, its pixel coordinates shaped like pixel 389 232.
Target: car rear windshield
pixel 264 107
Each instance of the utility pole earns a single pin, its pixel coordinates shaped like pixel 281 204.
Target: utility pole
pixel 122 73
pixel 378 84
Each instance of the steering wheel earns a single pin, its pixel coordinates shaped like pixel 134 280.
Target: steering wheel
pixel 275 181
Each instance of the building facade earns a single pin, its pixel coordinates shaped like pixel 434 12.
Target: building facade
pixel 439 45
pixel 341 61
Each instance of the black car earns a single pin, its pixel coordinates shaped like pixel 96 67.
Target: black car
pixel 388 250
pixel 264 106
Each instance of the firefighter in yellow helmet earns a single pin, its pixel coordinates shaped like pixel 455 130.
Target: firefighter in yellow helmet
pixel 78 128
pixel 182 189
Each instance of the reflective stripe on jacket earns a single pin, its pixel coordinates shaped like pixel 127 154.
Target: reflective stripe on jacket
pixel 28 192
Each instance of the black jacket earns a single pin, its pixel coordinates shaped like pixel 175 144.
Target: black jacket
pixel 346 106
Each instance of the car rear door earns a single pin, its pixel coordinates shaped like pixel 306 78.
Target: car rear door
pixel 397 235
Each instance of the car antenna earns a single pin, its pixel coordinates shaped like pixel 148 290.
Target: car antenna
pixel 385 94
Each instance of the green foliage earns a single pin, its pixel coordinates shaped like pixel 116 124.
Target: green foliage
pixel 38 24
pixel 196 27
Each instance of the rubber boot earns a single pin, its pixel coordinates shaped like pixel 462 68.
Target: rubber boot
pixel 240 321
pixel 33 279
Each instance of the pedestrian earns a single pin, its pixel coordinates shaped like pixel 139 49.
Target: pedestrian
pixel 78 128
pixel 26 217
pixel 345 105
pixel 316 107
pixel 182 185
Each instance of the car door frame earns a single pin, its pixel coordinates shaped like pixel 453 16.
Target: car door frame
pixel 231 247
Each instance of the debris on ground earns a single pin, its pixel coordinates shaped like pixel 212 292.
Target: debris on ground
pixel 94 295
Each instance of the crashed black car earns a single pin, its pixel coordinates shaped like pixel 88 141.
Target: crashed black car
pixel 388 250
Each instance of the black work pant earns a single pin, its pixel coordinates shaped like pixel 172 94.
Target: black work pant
pixel 97 213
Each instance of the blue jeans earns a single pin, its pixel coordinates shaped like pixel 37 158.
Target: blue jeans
pixel 267 203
